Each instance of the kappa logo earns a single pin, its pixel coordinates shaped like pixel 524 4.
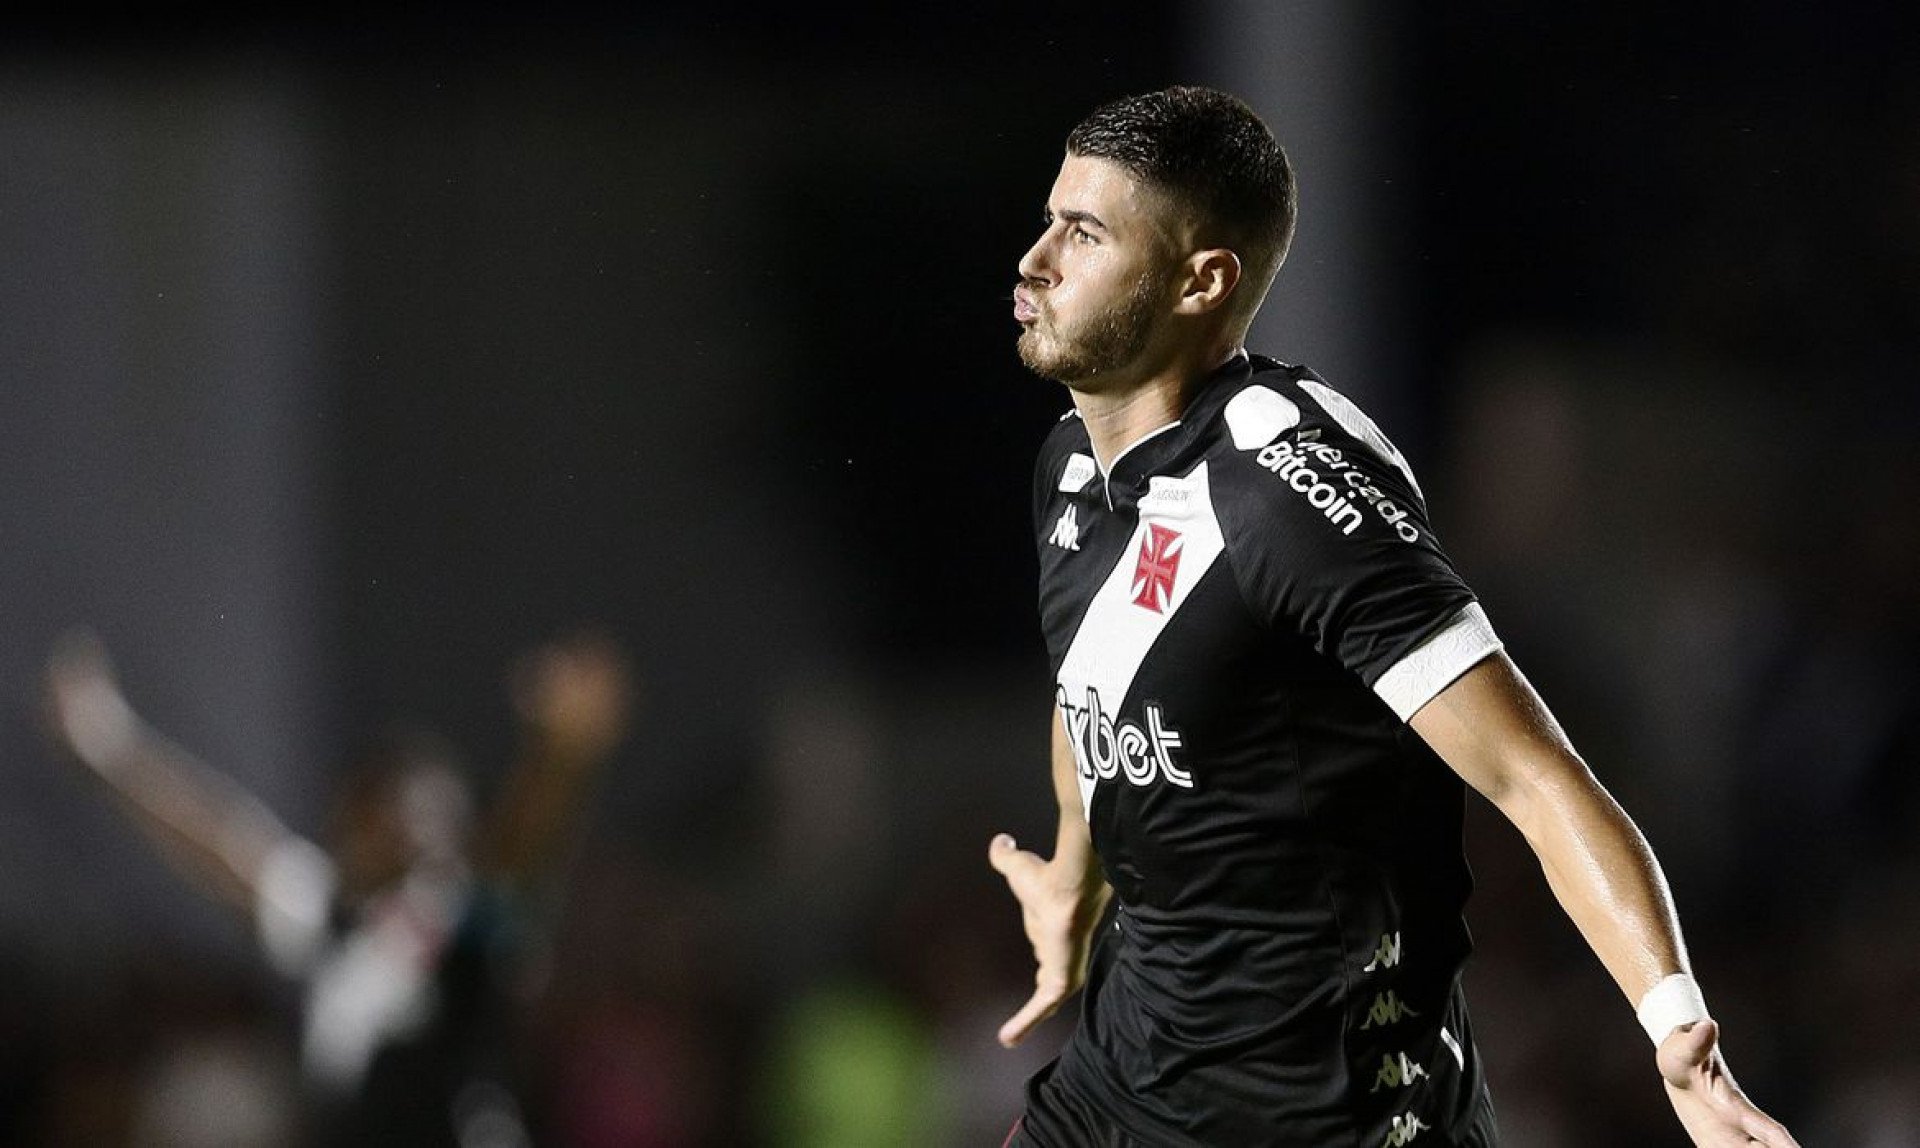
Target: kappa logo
pixel 1396 1071
pixel 1405 1128
pixel 1066 532
pixel 1386 954
pixel 1387 1009
pixel 1158 565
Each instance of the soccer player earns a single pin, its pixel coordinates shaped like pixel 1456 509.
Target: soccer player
pixel 1271 691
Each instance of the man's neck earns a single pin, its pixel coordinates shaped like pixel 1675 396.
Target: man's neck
pixel 1119 417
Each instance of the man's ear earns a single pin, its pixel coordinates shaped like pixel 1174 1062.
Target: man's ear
pixel 1211 277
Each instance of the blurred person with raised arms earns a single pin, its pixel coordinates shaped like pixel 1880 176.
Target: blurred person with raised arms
pixel 411 931
pixel 1271 691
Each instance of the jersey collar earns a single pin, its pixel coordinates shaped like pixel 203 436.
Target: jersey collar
pixel 1153 452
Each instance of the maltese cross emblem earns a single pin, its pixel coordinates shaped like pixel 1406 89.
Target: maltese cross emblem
pixel 1159 562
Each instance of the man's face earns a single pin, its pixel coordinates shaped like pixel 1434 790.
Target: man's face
pixel 410 815
pixel 1093 289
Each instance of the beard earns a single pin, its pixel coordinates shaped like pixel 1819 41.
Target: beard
pixel 1099 344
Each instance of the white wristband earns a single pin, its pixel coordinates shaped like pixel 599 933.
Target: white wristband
pixel 1673 1002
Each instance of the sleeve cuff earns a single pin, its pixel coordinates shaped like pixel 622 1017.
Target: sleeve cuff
pixel 292 898
pixel 1432 665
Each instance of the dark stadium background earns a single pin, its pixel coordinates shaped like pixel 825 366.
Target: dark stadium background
pixel 345 354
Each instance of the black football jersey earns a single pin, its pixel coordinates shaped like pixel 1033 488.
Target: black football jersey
pixel 1241 614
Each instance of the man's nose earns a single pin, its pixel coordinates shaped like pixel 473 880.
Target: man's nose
pixel 1037 263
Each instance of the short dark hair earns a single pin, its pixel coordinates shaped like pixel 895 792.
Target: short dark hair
pixel 1210 153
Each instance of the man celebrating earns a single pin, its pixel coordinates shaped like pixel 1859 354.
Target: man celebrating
pixel 1270 686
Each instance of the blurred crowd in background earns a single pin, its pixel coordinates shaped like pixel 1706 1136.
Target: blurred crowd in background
pixel 343 365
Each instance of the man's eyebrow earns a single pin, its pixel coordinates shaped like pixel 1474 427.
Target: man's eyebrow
pixel 1074 215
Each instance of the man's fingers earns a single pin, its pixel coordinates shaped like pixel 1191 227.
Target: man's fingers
pixel 1043 1004
pixel 1702 1085
pixel 1049 929
pixel 1007 857
pixel 84 702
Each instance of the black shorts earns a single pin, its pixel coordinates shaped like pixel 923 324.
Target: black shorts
pixel 1056 1118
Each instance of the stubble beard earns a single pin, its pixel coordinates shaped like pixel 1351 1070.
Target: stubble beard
pixel 1102 344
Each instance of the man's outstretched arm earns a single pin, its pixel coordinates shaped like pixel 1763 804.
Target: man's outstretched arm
pixel 1061 899
pixel 219 835
pixel 1493 729
pixel 573 699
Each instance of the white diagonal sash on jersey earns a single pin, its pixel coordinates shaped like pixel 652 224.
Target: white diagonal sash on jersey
pixel 1115 634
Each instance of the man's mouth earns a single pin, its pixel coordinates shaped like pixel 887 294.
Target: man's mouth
pixel 1025 310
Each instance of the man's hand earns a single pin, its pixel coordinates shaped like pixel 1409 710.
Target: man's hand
pixel 574 696
pixel 1060 910
pixel 84 705
pixel 1710 1105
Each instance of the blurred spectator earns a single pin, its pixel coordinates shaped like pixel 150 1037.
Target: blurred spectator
pixel 411 932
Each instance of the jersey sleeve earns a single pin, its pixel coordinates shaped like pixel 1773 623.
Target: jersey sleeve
pixel 1333 545
pixel 293 895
